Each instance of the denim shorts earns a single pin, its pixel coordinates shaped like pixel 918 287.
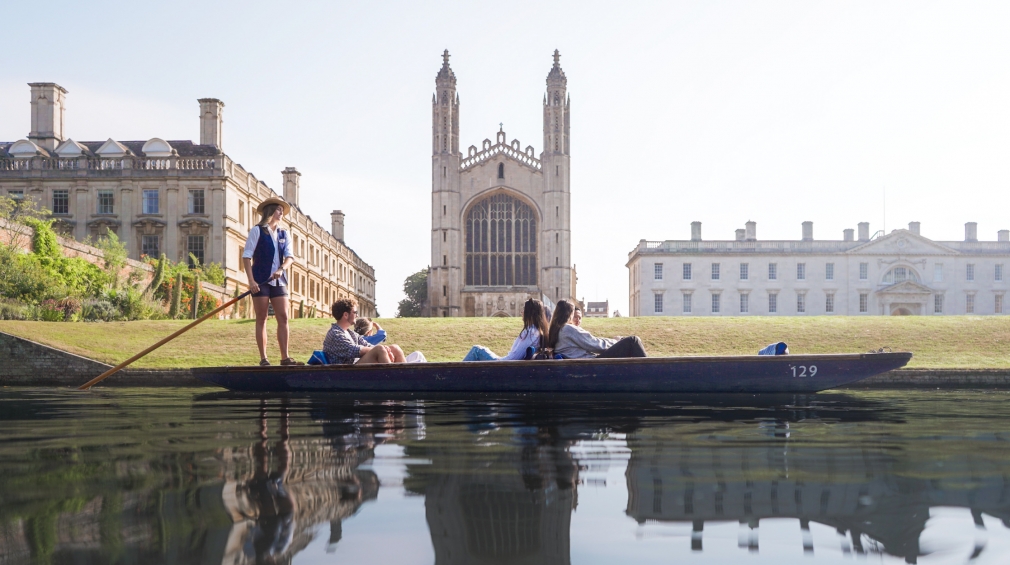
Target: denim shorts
pixel 271 291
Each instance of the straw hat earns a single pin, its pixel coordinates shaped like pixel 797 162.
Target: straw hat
pixel 274 200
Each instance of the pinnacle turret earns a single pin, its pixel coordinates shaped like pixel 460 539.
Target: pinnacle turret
pixel 445 74
pixel 556 76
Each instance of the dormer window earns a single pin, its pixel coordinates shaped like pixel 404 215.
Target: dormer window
pixel 501 170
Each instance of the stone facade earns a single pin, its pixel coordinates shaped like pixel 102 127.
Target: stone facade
pixel 177 198
pixel 500 220
pixel 901 273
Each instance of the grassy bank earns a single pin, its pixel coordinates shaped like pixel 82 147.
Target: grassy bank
pixel 940 342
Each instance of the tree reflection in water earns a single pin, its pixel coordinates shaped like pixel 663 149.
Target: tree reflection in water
pixel 147 477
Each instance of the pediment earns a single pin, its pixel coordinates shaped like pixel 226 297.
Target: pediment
pixel 70 149
pixel 902 242
pixel 906 287
pixel 112 148
pixel 23 149
pixel 157 147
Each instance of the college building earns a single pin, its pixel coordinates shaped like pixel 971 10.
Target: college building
pixel 900 273
pixel 175 197
pixel 500 214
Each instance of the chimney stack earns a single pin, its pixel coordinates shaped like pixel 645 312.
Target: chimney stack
pixel 864 231
pixel 740 234
pixel 751 228
pixel 210 121
pixel 847 234
pixel 337 229
pixel 1003 235
pixel 695 231
pixel 48 101
pixel 808 231
pixel 913 227
pixel 970 231
pixel 291 185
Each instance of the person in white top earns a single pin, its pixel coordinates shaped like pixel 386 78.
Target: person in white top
pixel 534 328
pixel 266 255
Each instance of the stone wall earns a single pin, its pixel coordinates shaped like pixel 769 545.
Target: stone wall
pixel 27 363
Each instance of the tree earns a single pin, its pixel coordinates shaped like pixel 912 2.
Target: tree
pixel 416 289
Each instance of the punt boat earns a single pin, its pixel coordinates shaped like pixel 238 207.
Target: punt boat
pixel 652 375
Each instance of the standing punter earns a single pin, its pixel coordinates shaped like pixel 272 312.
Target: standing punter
pixel 267 254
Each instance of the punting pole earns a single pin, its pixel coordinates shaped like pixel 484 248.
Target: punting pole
pixel 188 327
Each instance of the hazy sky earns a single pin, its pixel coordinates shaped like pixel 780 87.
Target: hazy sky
pixel 720 112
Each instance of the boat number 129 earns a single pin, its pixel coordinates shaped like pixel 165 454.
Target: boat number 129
pixel 802 371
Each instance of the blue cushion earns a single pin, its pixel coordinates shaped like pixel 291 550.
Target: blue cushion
pixel 318 358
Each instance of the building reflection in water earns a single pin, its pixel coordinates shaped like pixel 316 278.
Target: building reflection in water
pixel 258 482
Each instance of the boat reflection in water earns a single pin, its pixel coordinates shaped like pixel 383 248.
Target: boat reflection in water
pixel 234 479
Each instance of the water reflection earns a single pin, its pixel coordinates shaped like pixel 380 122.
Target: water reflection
pixel 145 476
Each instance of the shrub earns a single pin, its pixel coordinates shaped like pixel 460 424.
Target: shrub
pixel 93 310
pixel 13 310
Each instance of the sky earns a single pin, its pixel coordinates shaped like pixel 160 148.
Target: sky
pixel 712 111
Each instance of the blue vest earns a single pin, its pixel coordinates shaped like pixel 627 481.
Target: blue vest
pixel 263 255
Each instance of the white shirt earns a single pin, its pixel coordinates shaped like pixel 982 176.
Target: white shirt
pixel 518 353
pixel 250 248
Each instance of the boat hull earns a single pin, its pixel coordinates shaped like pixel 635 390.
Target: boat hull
pixel 742 374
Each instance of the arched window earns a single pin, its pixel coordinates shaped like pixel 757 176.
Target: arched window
pixel 900 274
pixel 501 243
pixel 501 170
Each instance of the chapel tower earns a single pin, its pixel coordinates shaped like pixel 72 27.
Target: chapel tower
pixel 556 160
pixel 444 278
pixel 500 220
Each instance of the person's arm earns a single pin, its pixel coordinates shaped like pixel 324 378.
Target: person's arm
pixel 284 265
pixel 588 341
pixel 247 254
pixel 339 345
pixel 375 339
pixel 518 351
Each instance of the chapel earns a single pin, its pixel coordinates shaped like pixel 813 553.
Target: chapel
pixel 500 214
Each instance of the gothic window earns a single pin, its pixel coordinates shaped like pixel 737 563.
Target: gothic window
pixel 501 243
pixel 557 99
pixel 501 170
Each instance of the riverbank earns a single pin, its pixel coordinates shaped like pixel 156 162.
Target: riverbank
pixel 947 342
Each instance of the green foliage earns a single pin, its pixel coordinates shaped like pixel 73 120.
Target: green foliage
pixel 159 276
pixel 14 310
pixel 114 254
pixel 98 311
pixel 173 311
pixel 301 309
pixel 214 274
pixel 44 242
pixel 416 289
pixel 194 305
pixel 18 212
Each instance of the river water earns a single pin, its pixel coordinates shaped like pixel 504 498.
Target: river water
pixel 191 476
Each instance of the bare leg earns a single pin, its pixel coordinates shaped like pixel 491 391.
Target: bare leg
pixel 281 312
pixel 378 354
pixel 260 307
pixel 397 354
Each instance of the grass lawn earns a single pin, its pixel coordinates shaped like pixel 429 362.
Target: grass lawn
pixel 942 341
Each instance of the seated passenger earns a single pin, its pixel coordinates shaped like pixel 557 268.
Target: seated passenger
pixel 371 331
pixel 573 342
pixel 577 317
pixel 343 346
pixel 534 328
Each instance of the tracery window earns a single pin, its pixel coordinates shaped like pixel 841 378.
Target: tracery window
pixel 501 243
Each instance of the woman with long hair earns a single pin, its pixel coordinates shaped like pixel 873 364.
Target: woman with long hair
pixel 266 255
pixel 573 342
pixel 532 334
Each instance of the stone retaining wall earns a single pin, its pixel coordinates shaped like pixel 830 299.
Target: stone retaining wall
pixel 27 363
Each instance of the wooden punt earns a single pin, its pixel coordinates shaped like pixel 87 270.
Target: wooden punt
pixel 656 375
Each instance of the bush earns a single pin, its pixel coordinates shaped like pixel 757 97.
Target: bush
pixel 14 310
pixel 93 310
